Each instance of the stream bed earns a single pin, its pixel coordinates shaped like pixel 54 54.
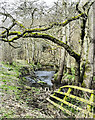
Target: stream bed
pixel 44 76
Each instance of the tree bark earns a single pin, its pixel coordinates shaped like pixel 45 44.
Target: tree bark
pixel 93 82
pixel 77 73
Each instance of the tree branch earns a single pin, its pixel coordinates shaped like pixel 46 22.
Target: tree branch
pixel 38 29
pixel 14 46
pixel 42 29
pixel 13 20
pixel 77 8
pixel 31 32
pixel 7 30
pixel 51 38
pixel 85 5
pixel 90 6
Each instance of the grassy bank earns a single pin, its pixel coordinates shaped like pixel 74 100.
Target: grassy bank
pixel 19 100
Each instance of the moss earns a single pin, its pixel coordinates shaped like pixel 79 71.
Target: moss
pixel 55 76
pixel 14 38
pixel 3 32
pixel 77 16
pixel 79 41
pixel 25 34
pixel 41 82
pixel 94 78
pixel 65 22
pixel 58 42
pixel 83 84
pixel 34 30
pixel 85 76
pixel 27 87
pixel 20 24
pixel 88 69
pixel 15 32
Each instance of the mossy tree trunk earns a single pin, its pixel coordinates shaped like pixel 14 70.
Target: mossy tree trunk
pixel 61 69
pixel 63 51
pixel 41 33
pixel 77 80
pixel 93 87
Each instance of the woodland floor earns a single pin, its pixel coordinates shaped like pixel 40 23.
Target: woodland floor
pixel 20 101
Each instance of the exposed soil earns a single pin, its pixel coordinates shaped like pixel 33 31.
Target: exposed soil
pixel 18 100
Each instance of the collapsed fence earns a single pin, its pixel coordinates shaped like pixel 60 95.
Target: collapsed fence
pixel 74 101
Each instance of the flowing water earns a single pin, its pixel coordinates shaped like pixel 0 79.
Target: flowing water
pixel 45 76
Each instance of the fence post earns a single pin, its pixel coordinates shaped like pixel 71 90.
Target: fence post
pixel 68 92
pixel 92 100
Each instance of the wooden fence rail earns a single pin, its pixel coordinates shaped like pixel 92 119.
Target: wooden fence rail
pixel 74 101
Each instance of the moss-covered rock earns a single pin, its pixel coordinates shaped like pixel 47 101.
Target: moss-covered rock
pixel 27 87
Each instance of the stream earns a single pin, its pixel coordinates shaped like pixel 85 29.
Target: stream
pixel 44 76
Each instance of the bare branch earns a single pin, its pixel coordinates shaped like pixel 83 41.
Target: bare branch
pixel 90 7
pixel 34 33
pixel 14 46
pixel 51 38
pixel 13 20
pixel 7 30
pixel 4 40
pixel 29 33
pixel 32 14
pixel 77 8
pixel 58 42
pixel 7 15
pixel 55 24
pixel 38 29
pixel 85 5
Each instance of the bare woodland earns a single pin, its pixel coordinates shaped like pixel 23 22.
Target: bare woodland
pixel 62 35
pixel 58 42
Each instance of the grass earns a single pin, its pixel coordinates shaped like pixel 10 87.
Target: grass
pixel 94 78
pixel 15 93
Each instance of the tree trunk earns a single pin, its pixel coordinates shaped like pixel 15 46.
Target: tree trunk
pixel 77 73
pixel 61 69
pixel 90 57
pixel 93 82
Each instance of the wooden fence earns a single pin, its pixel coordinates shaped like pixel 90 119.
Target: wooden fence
pixel 74 101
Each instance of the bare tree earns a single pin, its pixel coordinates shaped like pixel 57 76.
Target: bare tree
pixel 10 36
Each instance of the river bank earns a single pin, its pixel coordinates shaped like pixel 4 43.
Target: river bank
pixel 21 101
